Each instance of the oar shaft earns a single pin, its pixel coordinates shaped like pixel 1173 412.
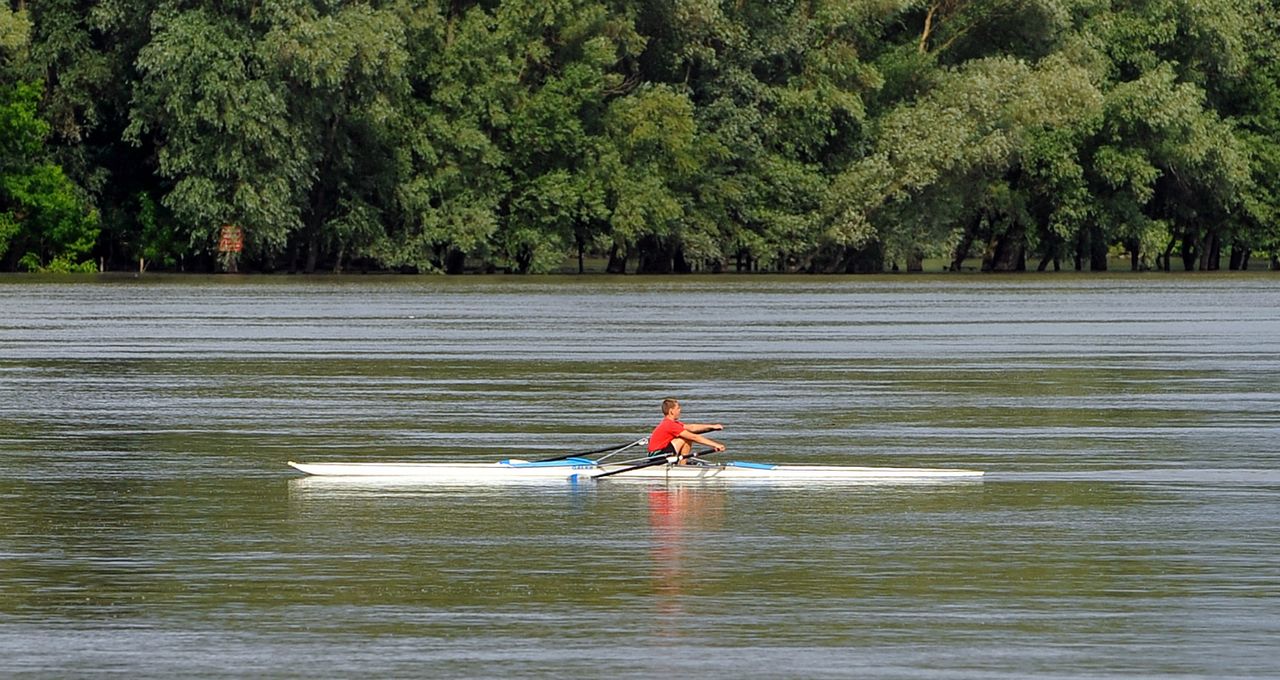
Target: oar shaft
pixel 607 449
pixel 662 460
pixel 647 463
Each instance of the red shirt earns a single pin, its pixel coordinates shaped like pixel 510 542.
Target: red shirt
pixel 662 435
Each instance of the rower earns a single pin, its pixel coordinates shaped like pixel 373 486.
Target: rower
pixel 672 437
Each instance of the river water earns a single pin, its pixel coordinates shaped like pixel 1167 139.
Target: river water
pixel 1128 525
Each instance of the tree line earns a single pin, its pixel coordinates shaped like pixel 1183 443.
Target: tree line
pixel 654 135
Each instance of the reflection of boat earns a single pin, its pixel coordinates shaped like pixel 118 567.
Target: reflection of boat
pixel 578 468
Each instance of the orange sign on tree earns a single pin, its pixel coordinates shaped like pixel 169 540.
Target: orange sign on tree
pixel 232 240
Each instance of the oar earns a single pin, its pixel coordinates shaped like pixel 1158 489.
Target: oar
pixel 613 449
pixel 650 463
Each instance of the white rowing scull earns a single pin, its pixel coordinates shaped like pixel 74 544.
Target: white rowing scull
pixel 515 470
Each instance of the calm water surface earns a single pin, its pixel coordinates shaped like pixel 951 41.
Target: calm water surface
pixel 1129 525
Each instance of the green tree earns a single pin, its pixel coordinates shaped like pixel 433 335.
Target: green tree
pixel 15 34
pixel 1251 102
pixel 342 72
pixel 567 53
pixel 84 52
pixel 1166 169
pixel 279 119
pixel 454 173
pixel 777 91
pixel 43 219
pixel 814 135
pixel 510 157
pixel 220 126
pixel 44 224
pixel 650 162
pixel 982 156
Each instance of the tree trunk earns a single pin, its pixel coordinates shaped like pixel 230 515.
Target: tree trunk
pixel 1188 254
pixel 1052 253
pixel 1240 258
pixel 869 260
pixel 654 257
pixel 915 261
pixel 678 263
pixel 1097 250
pixel 524 259
pixel 455 261
pixel 1007 253
pixel 1167 264
pixel 1211 253
pixel 962 248
pixel 617 261
pixel 313 251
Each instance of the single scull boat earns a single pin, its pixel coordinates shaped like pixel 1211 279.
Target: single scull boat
pixel 576 468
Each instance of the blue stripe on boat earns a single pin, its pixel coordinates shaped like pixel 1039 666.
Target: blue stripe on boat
pixel 567 462
pixel 753 466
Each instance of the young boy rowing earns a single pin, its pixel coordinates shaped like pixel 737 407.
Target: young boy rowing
pixel 674 438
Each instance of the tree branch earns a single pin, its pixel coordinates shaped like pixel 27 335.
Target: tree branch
pixel 928 28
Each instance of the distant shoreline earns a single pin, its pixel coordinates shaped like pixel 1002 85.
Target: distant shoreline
pixel 124 276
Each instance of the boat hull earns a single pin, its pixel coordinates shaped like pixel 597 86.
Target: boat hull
pixel 495 473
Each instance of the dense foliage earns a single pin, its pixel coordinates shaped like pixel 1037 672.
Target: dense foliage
pixel 659 135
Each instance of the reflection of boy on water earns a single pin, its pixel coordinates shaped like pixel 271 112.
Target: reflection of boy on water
pixel 672 437
pixel 671 512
